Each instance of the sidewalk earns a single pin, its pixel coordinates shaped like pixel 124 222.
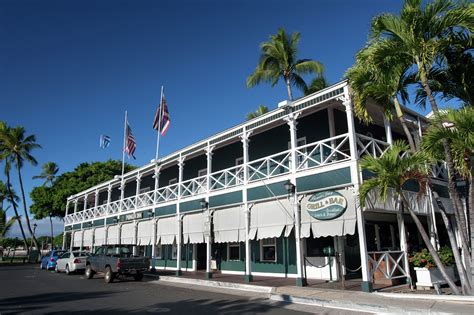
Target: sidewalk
pixel 283 289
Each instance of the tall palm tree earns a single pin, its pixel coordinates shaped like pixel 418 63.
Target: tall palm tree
pixel 279 59
pixel 382 82
pixel 393 170
pixel 10 193
pixel 49 174
pixel 419 35
pixel 16 148
pixel 317 84
pixel 262 109
pixel 458 126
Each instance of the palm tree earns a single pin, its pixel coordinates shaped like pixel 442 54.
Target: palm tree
pixel 419 36
pixel 16 148
pixel 393 170
pixel 5 225
pixel 49 173
pixel 262 109
pixel 317 84
pixel 278 59
pixel 458 126
pixel 382 83
pixel 6 190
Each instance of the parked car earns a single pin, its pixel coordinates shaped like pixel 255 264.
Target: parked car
pixel 72 262
pixel 48 261
pixel 116 260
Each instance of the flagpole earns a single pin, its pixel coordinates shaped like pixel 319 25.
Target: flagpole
pixel 124 143
pixel 160 113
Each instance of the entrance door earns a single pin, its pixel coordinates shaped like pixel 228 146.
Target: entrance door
pixel 201 256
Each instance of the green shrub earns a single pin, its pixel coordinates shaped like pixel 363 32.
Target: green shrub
pixel 423 258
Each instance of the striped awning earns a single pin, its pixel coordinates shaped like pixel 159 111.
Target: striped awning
pixel 87 240
pixel 112 235
pixel 127 234
pixel 145 232
pixel 229 225
pixel 99 236
pixel 77 239
pixel 270 218
pixel 193 228
pixel 166 230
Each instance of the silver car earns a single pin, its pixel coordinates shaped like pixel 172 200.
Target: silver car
pixel 72 262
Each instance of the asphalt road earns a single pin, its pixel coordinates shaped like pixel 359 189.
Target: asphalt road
pixel 27 289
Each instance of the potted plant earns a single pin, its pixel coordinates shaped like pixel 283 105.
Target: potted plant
pixel 426 271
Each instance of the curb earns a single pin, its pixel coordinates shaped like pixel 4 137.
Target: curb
pixel 445 298
pixel 217 284
pixel 370 308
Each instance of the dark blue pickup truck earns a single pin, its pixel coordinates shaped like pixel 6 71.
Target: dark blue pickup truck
pixel 114 261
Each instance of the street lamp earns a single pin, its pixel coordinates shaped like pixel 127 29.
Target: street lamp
pixel 204 203
pixel 290 188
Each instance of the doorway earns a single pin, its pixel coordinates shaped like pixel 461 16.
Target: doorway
pixel 201 256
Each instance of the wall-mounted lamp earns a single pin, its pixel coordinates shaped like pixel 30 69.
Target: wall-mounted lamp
pixel 204 203
pixel 290 188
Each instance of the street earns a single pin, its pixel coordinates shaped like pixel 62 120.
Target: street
pixel 27 289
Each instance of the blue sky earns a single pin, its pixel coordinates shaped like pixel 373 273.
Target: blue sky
pixel 69 69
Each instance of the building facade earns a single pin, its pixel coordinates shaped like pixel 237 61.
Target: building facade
pixel 274 196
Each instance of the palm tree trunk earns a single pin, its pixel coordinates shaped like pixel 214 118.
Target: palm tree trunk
pixel 27 218
pixel 16 212
pixel 403 122
pixel 471 219
pixel 52 233
pixel 428 244
pixel 288 88
pixel 457 256
pixel 458 213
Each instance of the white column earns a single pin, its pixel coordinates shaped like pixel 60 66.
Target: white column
pixel 209 215
pixel 72 240
pixel 135 231
pixel 75 205
pixel 64 232
pixel 388 130
pixel 122 193
pixel 178 215
pixel 119 234
pixel 137 190
pixel 156 176
pixel 355 177
pixel 153 239
pixel 292 123
pixel 96 199
pixel 194 257
pixel 332 126
pixel 245 138
pixel 109 199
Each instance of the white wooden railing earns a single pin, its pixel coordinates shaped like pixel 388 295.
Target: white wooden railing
pixel 270 166
pixel 320 153
pixel 368 145
pixel 227 178
pixel 391 264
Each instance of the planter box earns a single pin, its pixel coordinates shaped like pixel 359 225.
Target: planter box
pixel 426 277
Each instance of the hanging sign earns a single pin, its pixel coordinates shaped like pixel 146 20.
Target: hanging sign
pixel 326 205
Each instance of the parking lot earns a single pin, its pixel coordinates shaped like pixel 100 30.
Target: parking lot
pixel 27 289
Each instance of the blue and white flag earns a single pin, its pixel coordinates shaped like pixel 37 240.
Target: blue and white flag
pixel 104 141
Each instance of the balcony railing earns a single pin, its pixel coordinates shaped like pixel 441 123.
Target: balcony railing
pixel 368 145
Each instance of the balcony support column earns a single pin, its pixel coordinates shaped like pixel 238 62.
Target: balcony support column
pixel 137 190
pixel 156 176
pixel 178 216
pixel 388 130
pixel 403 243
pixel 96 201
pixel 245 138
pixel 209 214
pixel 356 180
pixel 153 244
pixel 122 194
pixel 135 237
pixel 63 247
pixel 292 123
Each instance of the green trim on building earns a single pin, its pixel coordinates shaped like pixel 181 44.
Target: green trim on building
pixel 327 179
pixel 86 225
pixel 77 226
pixel 262 192
pixel 225 199
pixel 99 222
pixel 68 228
pixel 165 210
pixel 111 220
pixel 190 205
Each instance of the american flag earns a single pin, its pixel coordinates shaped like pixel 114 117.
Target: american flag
pixel 165 117
pixel 130 143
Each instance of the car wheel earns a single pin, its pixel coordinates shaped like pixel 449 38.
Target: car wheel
pixel 89 272
pixel 138 276
pixel 109 275
pixel 68 272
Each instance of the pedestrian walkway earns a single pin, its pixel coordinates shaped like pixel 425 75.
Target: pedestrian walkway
pixel 321 294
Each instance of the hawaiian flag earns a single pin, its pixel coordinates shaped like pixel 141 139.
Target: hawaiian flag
pixel 130 143
pixel 104 141
pixel 164 121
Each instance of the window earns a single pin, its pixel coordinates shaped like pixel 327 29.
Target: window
pixel 240 172
pixel 268 249
pixel 174 251
pixel 158 251
pixel 233 251
pixel 300 158
pixel 144 190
